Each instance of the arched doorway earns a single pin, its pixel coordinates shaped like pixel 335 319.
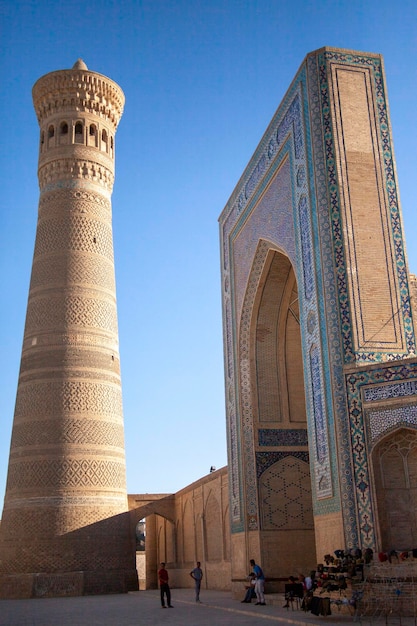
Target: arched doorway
pixel 395 470
pixel 280 424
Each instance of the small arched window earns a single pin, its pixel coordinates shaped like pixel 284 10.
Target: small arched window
pixel 92 135
pixel 78 132
pixel 104 141
pixel 64 128
pixel 51 136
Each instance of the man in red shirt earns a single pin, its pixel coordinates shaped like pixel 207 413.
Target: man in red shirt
pixel 164 586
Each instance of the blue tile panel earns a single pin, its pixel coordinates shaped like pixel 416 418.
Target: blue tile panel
pixel 282 437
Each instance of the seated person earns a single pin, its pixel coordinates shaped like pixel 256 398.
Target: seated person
pixel 293 589
pixel 250 589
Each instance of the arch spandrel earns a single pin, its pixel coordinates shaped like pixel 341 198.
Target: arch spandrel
pixel 257 227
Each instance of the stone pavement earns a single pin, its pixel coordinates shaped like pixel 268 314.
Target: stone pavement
pixel 142 608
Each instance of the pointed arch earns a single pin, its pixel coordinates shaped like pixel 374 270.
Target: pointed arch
pixel 213 522
pixel 188 522
pixel 394 461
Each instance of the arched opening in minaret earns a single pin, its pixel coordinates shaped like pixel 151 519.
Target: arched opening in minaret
pixel 104 141
pixel 63 133
pixel 92 135
pixel 51 136
pixel 79 132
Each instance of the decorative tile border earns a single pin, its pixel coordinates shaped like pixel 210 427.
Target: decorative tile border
pixel 282 437
pixel 391 391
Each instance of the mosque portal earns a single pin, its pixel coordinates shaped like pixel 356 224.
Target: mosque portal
pixel 320 352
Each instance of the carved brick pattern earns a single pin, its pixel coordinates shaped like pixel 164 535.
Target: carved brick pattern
pixel 65 473
pixel 78 561
pixel 80 90
pixel 51 526
pixel 76 152
pixel 57 313
pixel 56 398
pixel 70 169
pixel 74 233
pixel 74 200
pixel 55 359
pixel 285 492
pixel 43 521
pixel 79 338
pixel 86 432
pixel 88 270
pixel 106 377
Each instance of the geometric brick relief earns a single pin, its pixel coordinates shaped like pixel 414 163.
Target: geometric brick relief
pixel 384 420
pixel 74 361
pixel 393 390
pixel 74 232
pixel 285 495
pixel 73 169
pixel 68 431
pixel 50 398
pixel 81 340
pixel 48 519
pixel 54 311
pixel 70 200
pixel 66 473
pixel 87 270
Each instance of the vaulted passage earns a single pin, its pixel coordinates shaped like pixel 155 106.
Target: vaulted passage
pixel 284 483
pixel 279 365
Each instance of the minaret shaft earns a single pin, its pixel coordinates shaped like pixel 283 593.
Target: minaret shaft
pixel 65 524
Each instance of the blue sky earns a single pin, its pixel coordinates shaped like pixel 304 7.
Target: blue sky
pixel 202 80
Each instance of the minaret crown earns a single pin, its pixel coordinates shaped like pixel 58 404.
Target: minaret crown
pixel 79 65
pixel 78 89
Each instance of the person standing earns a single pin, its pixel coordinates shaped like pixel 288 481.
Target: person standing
pixel 259 582
pixel 197 575
pixel 164 587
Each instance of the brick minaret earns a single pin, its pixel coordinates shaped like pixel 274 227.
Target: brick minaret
pixel 65 527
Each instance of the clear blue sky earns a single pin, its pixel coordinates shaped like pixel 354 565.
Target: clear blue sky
pixel 202 80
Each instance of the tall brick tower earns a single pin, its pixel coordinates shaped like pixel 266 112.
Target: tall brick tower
pixel 65 527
